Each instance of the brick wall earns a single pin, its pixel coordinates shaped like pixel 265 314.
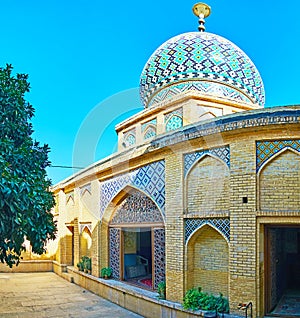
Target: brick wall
pixel 208 187
pixel 208 261
pixel 242 261
pixel 174 227
pixel 279 183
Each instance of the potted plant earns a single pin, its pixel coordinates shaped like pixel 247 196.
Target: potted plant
pixel 161 289
pixel 106 272
pixel 80 266
pixel 88 265
pixel 85 261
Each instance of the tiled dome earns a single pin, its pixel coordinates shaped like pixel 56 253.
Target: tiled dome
pixel 203 62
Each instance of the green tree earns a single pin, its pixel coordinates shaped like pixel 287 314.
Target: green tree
pixel 25 199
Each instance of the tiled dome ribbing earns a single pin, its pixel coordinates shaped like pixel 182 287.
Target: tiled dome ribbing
pixel 203 62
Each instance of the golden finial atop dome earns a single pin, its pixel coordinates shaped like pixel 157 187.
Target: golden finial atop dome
pixel 201 10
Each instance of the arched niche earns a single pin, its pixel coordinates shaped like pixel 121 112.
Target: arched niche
pixel 85 242
pixel 207 187
pixel 279 183
pixel 207 261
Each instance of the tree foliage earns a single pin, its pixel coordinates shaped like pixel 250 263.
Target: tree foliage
pixel 25 199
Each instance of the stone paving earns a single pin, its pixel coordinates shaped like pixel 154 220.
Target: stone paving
pixel 46 295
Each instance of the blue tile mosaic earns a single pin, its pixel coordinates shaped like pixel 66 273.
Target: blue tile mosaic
pixel 130 138
pixel 267 149
pixel 222 225
pixel 173 120
pixel 149 129
pixel 150 179
pixel 209 88
pixel 114 251
pixel 200 56
pixel 222 152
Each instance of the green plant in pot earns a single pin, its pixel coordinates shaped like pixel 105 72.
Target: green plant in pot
pixel 85 261
pixel 106 272
pixel 161 289
pixel 80 266
pixel 88 265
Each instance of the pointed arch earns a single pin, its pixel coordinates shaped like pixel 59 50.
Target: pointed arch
pixel 130 139
pixel 121 196
pixel 207 186
pixel 85 241
pixel 150 132
pixel 200 227
pixel 207 260
pixel 207 115
pixel 70 198
pixel 278 182
pixel 136 230
pixel 174 122
pixel 202 157
pixel 86 189
pixel 275 155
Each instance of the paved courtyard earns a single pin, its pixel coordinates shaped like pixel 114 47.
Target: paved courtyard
pixel 48 295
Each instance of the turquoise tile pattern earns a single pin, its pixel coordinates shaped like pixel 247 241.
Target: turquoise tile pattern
pixel 267 149
pixel 200 61
pixel 222 153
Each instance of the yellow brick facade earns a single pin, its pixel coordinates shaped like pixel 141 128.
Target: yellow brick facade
pixel 253 196
pixel 257 193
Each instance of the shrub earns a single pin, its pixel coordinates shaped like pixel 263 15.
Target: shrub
pixel 222 304
pixel 106 272
pixel 191 298
pixel 85 264
pixel 194 299
pixel 161 289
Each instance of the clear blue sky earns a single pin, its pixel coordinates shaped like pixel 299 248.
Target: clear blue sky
pixel 85 55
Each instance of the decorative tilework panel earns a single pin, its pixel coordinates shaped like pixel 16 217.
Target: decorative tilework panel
pixel 267 149
pixel 149 179
pixel 137 208
pixel 159 256
pixel 152 123
pixel 178 112
pixel 114 251
pixel 222 224
pixel 173 123
pixel 206 87
pixel 173 120
pixel 150 132
pixel 222 152
pixel 149 129
pixel 130 138
pixel 200 55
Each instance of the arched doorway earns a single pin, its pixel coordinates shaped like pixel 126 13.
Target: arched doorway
pixel 137 240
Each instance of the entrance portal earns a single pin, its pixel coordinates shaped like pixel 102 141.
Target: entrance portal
pixel 283 271
pixel 137 241
pixel 138 256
